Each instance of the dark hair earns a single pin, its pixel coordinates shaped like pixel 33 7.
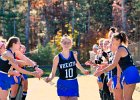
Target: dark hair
pixel 11 41
pixel 122 37
pixel 113 29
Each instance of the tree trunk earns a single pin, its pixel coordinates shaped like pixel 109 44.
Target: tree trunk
pixel 123 16
pixel 88 19
pixel 27 27
pixel 63 19
pixel 46 37
pixel 73 19
pixel 14 19
pixel 3 31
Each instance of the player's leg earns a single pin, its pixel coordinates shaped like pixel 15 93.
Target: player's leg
pixel 73 98
pixel 25 86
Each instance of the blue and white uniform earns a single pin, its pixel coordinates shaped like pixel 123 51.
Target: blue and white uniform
pixel 24 76
pixel 12 77
pixel 113 73
pixel 130 73
pixel 98 60
pixel 110 58
pixel 67 84
pixel 107 76
pixel 5 81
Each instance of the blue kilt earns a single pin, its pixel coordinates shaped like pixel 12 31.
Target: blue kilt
pixel 114 82
pixel 5 82
pixel 13 81
pixel 25 77
pixel 131 75
pixel 67 87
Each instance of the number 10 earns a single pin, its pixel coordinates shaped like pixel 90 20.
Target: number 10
pixel 69 73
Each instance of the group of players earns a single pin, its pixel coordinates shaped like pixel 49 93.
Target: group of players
pixel 117 74
pixel 12 63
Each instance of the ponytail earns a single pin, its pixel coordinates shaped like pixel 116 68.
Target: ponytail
pixel 122 37
pixel 113 29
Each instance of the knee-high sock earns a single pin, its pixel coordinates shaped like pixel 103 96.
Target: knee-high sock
pixel 101 94
pixel 111 96
pixel 24 94
pixel 12 98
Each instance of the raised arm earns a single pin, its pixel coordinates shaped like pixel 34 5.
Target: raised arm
pixel 26 60
pixel 117 57
pixel 8 56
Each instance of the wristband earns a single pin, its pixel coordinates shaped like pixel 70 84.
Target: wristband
pixel 36 66
pixel 25 66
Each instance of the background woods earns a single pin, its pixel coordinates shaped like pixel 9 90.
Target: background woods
pixel 41 23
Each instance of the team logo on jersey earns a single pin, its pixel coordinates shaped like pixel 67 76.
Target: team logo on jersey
pixel 67 65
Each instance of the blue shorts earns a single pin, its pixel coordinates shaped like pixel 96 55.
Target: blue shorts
pixel 114 82
pixel 67 87
pixel 131 75
pixel 13 80
pixel 25 77
pixel 109 75
pixel 5 83
pixel 99 79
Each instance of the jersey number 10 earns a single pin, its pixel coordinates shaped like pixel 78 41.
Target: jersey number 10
pixel 69 73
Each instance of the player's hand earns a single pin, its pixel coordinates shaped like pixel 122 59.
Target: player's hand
pixel 100 67
pixel 88 62
pixel 36 74
pixel 40 71
pixel 47 79
pixel 86 72
pixel 98 72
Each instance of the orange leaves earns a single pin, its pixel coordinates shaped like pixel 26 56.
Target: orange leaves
pixel 41 3
pixel 38 4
